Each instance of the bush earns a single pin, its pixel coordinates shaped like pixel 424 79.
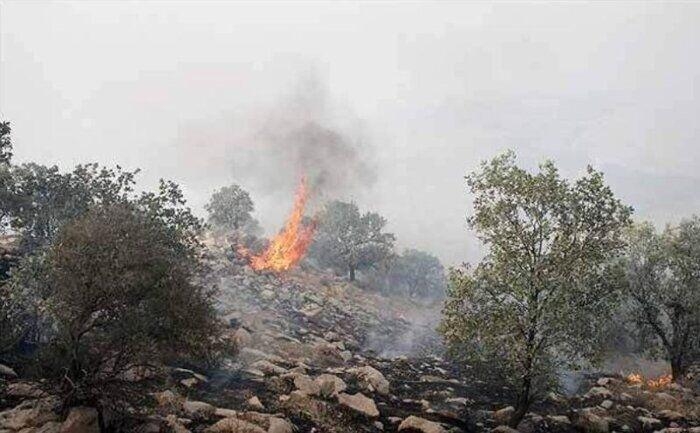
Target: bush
pixel 119 293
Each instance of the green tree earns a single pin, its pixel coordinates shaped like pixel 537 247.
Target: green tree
pixel 416 274
pixel 539 298
pixel 663 281
pixel 45 198
pixel 118 291
pixel 347 240
pixel 5 143
pixel 230 209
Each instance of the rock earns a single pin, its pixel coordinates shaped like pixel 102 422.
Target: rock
pixel 225 413
pixel 670 415
pixel 49 427
pixel 175 424
pixel 198 409
pixel 168 400
pixel 607 404
pixel 504 429
pixel 81 420
pixel 359 403
pixel 330 385
pixel 422 425
pixel 503 416
pixel 279 425
pixel 599 391
pixel 234 425
pixel 372 379
pixel 242 337
pixel 25 390
pixel 559 419
pixel 268 368
pixel 306 385
pixel 30 413
pixel 7 371
pixel 255 403
pixel 589 422
pixel 649 424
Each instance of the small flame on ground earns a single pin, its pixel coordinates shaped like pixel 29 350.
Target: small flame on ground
pixel 290 245
pixel 659 382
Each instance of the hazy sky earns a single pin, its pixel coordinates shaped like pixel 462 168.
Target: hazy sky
pixel 421 92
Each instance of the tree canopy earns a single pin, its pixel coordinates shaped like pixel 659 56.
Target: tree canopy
pixel 348 240
pixel 539 297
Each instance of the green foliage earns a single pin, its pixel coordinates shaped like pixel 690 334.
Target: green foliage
pixel 230 210
pixel 347 240
pixel 5 143
pixel 118 294
pixel 413 273
pixel 44 198
pixel 662 279
pixel 540 297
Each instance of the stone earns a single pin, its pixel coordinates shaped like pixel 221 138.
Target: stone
pixel 504 429
pixel 559 419
pixel 670 415
pixel 81 420
pixel 599 391
pixel 306 385
pixel 225 413
pixel 607 404
pixel 359 403
pixel 503 416
pixel 422 425
pixel 255 403
pixel 198 409
pixel 234 425
pixel 372 379
pixel 168 399
pixel 25 390
pixel 330 385
pixel 649 424
pixel 30 413
pixel 590 422
pixel 279 425
pixel 268 368
pixel 7 371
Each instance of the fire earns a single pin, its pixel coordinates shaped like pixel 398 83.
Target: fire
pixel 290 245
pixel 659 382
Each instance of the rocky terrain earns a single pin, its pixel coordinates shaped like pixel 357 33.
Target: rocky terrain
pixel 317 354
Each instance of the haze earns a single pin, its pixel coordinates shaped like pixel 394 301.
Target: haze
pixel 421 92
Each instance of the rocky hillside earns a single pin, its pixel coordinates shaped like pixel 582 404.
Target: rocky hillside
pixel 317 354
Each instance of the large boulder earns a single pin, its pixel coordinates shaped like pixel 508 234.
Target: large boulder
pixel 198 409
pixel 503 416
pixel 420 425
pixel 359 403
pixel 28 414
pixel 372 379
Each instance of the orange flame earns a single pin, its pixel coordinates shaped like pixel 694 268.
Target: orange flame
pixel 659 382
pixel 290 245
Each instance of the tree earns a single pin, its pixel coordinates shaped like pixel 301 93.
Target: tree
pixel 118 294
pixel 230 209
pixel 416 274
pixel 349 241
pixel 539 298
pixel 45 198
pixel 663 275
pixel 5 143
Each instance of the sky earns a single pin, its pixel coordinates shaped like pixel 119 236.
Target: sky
pixel 415 95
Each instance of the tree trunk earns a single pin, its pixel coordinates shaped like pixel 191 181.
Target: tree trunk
pixel 676 368
pixel 523 403
pixel 352 273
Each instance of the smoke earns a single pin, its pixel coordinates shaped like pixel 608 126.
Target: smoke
pixel 305 134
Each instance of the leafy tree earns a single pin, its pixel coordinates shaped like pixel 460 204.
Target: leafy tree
pixel 118 294
pixel 45 198
pixel 5 143
pixel 348 240
pixel 539 298
pixel 413 273
pixel 230 209
pixel 663 277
